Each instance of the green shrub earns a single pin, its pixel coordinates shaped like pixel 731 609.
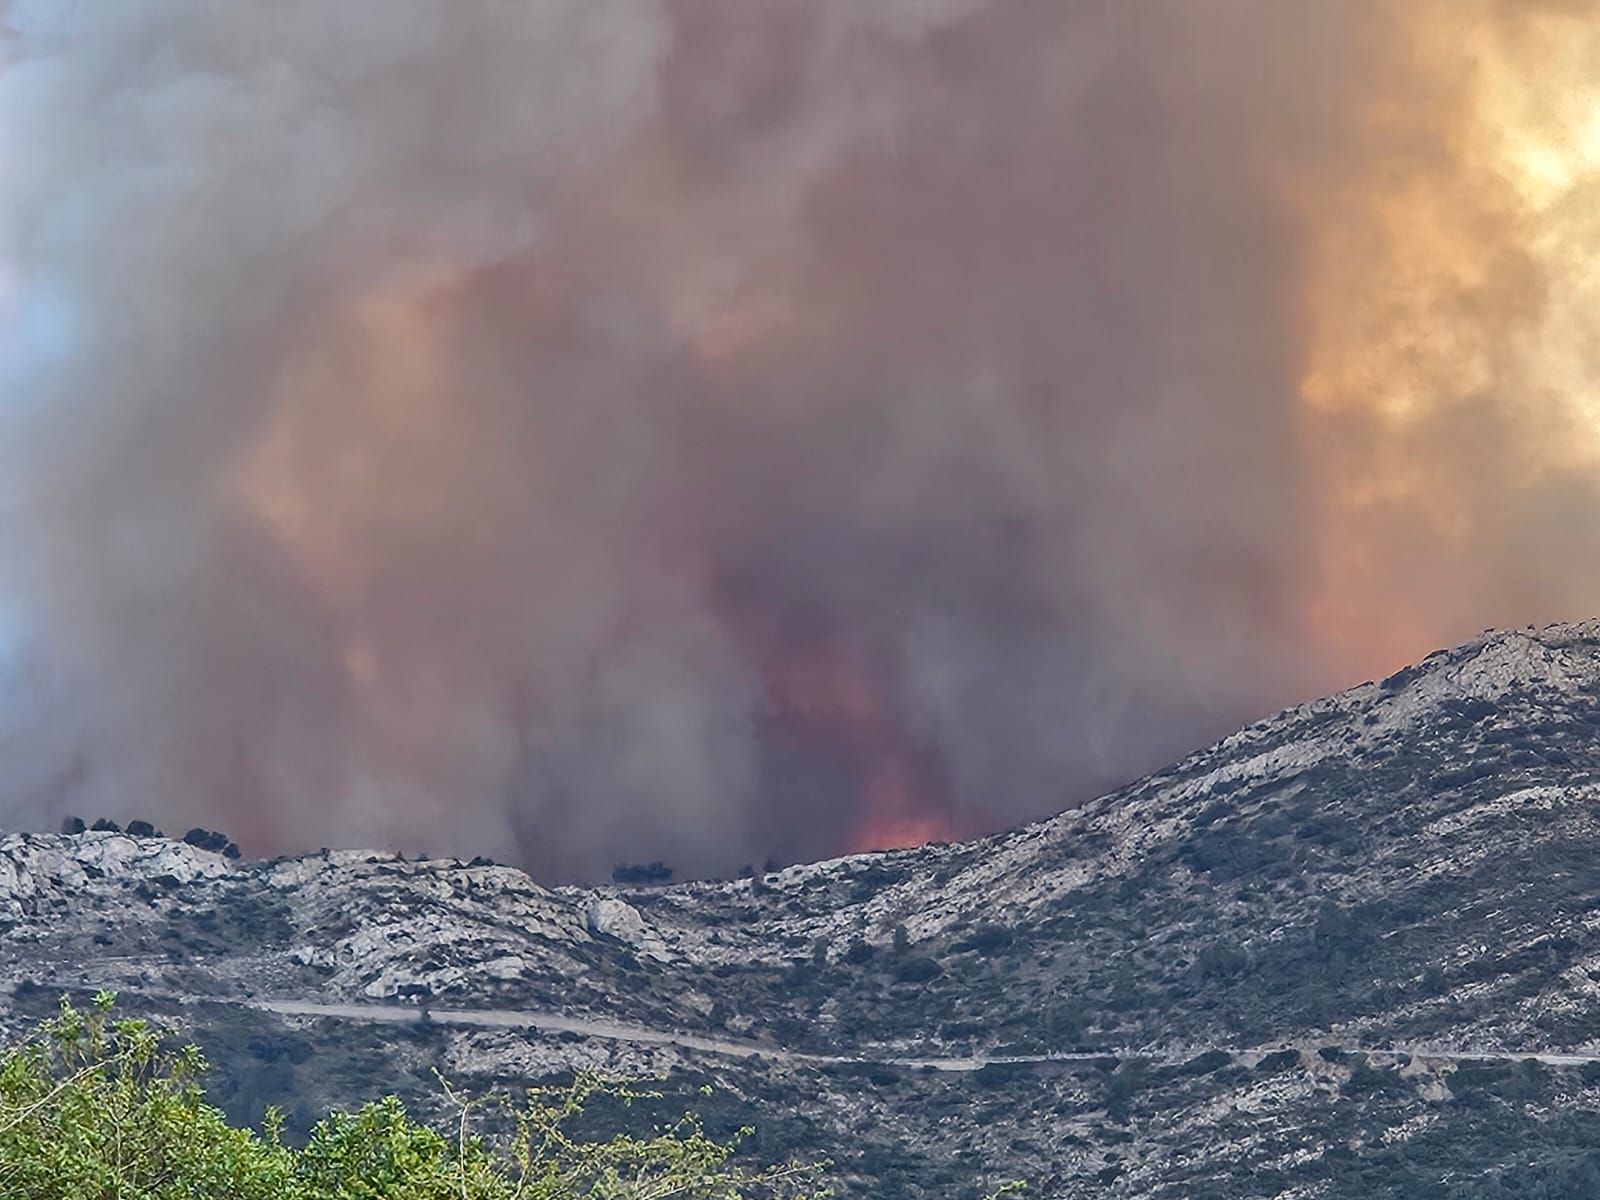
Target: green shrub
pixel 94 1107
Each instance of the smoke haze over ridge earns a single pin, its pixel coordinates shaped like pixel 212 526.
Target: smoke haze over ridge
pixel 586 431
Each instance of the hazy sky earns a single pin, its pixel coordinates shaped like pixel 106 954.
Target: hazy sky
pixel 591 430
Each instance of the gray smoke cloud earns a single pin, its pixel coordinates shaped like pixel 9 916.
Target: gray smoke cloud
pixel 587 431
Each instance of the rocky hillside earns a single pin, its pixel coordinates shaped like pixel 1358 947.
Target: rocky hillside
pixel 1320 958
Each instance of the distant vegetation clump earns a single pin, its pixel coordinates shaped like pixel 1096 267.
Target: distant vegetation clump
pixel 204 839
pixel 95 1107
pixel 210 839
pixel 650 872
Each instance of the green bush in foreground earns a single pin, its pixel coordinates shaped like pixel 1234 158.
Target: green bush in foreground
pixel 94 1107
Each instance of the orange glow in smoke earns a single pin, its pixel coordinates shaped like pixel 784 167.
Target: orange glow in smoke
pixel 823 693
pixel 891 819
pixel 364 438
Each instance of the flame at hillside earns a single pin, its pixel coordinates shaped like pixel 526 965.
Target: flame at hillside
pixel 827 704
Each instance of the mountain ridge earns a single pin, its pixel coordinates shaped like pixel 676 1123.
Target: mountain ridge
pixel 1406 863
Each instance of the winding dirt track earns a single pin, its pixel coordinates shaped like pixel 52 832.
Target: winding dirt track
pixel 617 1032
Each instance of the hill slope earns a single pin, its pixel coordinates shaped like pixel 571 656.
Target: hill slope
pixel 1262 972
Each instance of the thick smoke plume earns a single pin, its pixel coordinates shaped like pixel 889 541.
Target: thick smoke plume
pixel 588 430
